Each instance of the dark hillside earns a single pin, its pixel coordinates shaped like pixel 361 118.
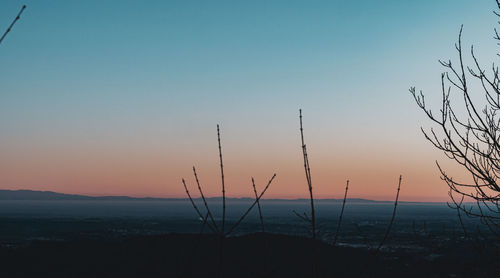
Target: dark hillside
pixel 256 255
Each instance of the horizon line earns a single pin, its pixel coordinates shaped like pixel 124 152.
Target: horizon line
pixel 213 197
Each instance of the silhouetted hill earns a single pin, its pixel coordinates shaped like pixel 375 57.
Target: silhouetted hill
pixel 255 255
pixel 54 196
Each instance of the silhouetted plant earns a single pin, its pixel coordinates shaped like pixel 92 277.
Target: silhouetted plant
pixel 235 225
pixel 258 206
pixel 204 200
pixel 308 178
pixel 473 139
pixel 389 227
pixel 311 220
pixel 341 214
pixel 213 226
pixel 214 229
pixel 307 169
pixel 12 24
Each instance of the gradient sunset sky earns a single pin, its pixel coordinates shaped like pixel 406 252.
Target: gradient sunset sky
pixel 123 97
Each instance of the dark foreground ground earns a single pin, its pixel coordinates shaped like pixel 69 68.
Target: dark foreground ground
pixel 253 255
pixel 160 238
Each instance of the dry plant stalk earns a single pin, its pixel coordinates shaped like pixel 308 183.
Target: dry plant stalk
pixel 223 185
pixel 204 200
pixel 251 207
pixel 12 24
pixel 222 235
pixel 212 224
pixel 308 177
pixel 195 206
pixel 341 214
pixel 258 206
pixel 392 218
pixel 307 170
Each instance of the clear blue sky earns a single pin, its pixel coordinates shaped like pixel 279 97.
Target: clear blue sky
pixel 96 83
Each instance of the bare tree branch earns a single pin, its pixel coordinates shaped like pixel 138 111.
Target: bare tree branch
pixel 307 170
pixel 258 206
pixel 209 213
pixel 12 24
pixel 195 206
pixel 392 218
pixel 341 214
pixel 251 207
pixel 308 177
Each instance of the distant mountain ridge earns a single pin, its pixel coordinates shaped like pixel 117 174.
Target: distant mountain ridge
pixel 54 196
pixel 34 195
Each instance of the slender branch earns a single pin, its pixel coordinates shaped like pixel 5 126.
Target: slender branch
pixel 460 218
pixel 392 218
pixel 223 185
pixel 341 213
pixel 222 234
pixel 258 206
pixel 307 170
pixel 308 177
pixel 12 24
pixel 251 207
pixel 194 204
pixel 204 200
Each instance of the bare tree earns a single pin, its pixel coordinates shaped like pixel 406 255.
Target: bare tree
pixel 12 24
pixel 469 134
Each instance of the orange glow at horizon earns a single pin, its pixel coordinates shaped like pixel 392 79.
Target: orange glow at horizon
pixel 147 173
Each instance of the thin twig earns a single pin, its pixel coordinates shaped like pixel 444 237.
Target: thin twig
pixel 222 234
pixel 250 208
pixel 308 177
pixel 392 218
pixel 460 218
pixel 307 170
pixel 12 24
pixel 223 185
pixel 204 200
pixel 194 204
pixel 258 206
pixel 341 214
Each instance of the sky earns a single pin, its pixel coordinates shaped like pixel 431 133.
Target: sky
pixel 123 97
